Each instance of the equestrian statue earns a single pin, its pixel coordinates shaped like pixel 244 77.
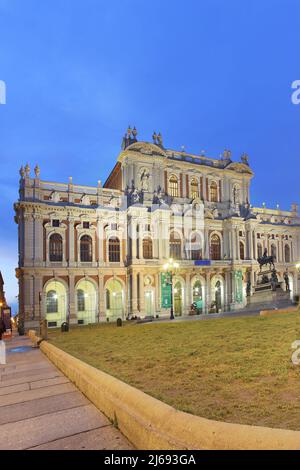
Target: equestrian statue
pixel 265 259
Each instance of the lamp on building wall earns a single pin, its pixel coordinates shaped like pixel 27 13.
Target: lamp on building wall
pixel 171 268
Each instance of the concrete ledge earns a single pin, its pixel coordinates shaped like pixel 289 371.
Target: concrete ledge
pixel 152 425
pixel 270 313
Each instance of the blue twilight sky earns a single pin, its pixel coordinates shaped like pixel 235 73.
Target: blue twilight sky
pixel 208 74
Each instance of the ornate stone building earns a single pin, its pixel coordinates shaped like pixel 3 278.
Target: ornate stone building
pixel 3 303
pixel 89 254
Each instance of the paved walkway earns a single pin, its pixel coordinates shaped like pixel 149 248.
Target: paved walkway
pixel 249 311
pixel 41 409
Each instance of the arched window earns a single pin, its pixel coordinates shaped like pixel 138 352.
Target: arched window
pixel 80 300
pixel 194 189
pixel 213 191
pixel 114 250
pixel 259 250
pixel 215 247
pixel 147 248
pixel 195 248
pixel 175 246
pixel 55 247
pixel 274 251
pixel 86 249
pixel 173 186
pixel 197 291
pixel 242 251
pixel 287 254
pixel 52 302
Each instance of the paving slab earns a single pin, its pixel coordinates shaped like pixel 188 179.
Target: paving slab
pixel 53 426
pixel 48 382
pixel 41 406
pixel 30 395
pixel 14 389
pixel 107 438
pixel 15 375
pixel 27 366
pixel 30 378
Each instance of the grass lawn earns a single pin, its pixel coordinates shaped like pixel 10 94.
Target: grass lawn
pixel 234 369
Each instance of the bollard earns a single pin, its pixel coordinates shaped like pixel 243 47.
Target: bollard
pixel 44 329
pixel 119 322
pixel 65 327
pixel 2 353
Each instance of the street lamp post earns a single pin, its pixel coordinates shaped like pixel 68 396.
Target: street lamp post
pixel 170 268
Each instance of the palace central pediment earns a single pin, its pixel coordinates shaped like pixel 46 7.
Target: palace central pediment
pixel 146 148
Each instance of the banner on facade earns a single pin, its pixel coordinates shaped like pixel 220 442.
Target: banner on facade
pixel 238 282
pixel 166 290
pixel 202 262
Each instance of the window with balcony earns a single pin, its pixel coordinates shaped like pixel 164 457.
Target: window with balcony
pixel 55 248
pixel 175 246
pixel 215 247
pixel 259 250
pixel 242 251
pixel 173 186
pixel 287 254
pixel 195 248
pixel 114 250
pixel 213 192
pixel 274 251
pixel 194 188
pixel 86 249
pixel 147 248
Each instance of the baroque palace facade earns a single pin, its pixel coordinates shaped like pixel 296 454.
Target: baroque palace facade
pixel 90 254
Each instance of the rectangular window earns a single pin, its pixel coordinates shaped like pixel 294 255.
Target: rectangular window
pixel 86 225
pixel 55 223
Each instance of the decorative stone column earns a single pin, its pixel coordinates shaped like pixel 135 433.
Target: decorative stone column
pixel 206 243
pixel 28 236
pixel 157 294
pixel 134 300
pixel 101 298
pixel 28 297
pixel 38 240
pixel 100 236
pixel 251 243
pixel 237 242
pixel 188 295
pixel 142 294
pixel 233 243
pixel 71 242
pixel 208 293
pixel 71 308
pixel 133 233
pixel 227 288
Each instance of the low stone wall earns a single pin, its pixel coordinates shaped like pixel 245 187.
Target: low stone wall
pixel 152 425
pixel 270 313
